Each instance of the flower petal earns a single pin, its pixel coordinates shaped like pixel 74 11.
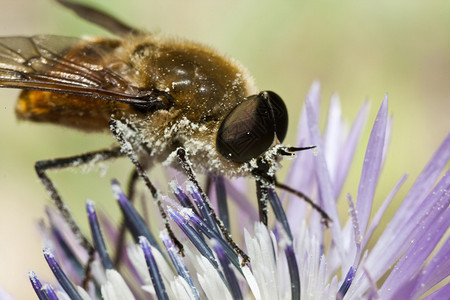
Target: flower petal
pixel 61 276
pixel 179 264
pixel 134 221
pixel 404 221
pixel 440 294
pixel 348 150
pixel 227 271
pixel 97 236
pixel 115 288
pixel 323 177
pixel 371 167
pixel 155 275
pixel 436 270
pixel 427 233
pixel 37 285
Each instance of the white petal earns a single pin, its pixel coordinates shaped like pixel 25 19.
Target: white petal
pixel 260 249
pixel 115 288
pixel 137 258
pixel 210 281
pixel 181 288
pixel 62 295
pixel 83 293
pixel 251 281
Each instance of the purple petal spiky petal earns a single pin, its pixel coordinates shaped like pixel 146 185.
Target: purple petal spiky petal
pixel 50 292
pixel 222 203
pixel 372 166
pixel 279 211
pixel 380 213
pixel 181 195
pixel 348 150
pixel 193 235
pixel 440 294
pixel 157 281
pixel 37 286
pixel 436 270
pixel 401 226
pixel 236 190
pixel 428 231
pixel 211 234
pixel 303 163
pixel 325 185
pixel 61 276
pixel 178 263
pixel 346 283
pixel 134 221
pixel 294 274
pixel 202 207
pixel 233 285
pixel 97 236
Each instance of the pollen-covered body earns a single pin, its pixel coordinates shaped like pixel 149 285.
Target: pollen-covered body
pixel 198 87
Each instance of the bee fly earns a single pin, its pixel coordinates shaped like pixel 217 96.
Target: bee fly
pixel 165 100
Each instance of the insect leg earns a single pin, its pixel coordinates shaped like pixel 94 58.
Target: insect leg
pixel 127 147
pixel 186 165
pixel 66 162
pixel 325 218
pixel 262 194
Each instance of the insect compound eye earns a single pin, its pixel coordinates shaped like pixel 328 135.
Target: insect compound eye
pixel 280 114
pixel 250 128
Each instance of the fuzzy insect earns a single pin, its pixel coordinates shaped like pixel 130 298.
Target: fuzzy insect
pixel 165 100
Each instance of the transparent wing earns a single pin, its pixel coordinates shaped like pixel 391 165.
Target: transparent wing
pixel 68 65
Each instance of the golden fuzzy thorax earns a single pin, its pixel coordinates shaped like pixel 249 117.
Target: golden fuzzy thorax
pixel 205 86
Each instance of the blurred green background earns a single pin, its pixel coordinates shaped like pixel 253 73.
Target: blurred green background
pixel 360 50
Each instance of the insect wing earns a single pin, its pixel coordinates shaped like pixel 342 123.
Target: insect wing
pixel 66 65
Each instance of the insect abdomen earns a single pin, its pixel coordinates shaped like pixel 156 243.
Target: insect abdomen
pixel 84 113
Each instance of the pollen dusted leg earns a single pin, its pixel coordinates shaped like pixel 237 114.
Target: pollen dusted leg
pixel 262 194
pixel 325 218
pixel 186 165
pixel 126 147
pixel 67 162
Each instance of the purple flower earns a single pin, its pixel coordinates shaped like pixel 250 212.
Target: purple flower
pixel 298 257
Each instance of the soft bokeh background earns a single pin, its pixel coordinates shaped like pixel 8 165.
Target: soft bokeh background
pixel 361 50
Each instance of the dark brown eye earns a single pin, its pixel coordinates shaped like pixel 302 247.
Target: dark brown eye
pixel 250 128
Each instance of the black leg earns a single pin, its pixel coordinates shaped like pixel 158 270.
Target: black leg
pixel 186 165
pixel 289 151
pixel 67 162
pixel 325 218
pixel 262 195
pixel 127 147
